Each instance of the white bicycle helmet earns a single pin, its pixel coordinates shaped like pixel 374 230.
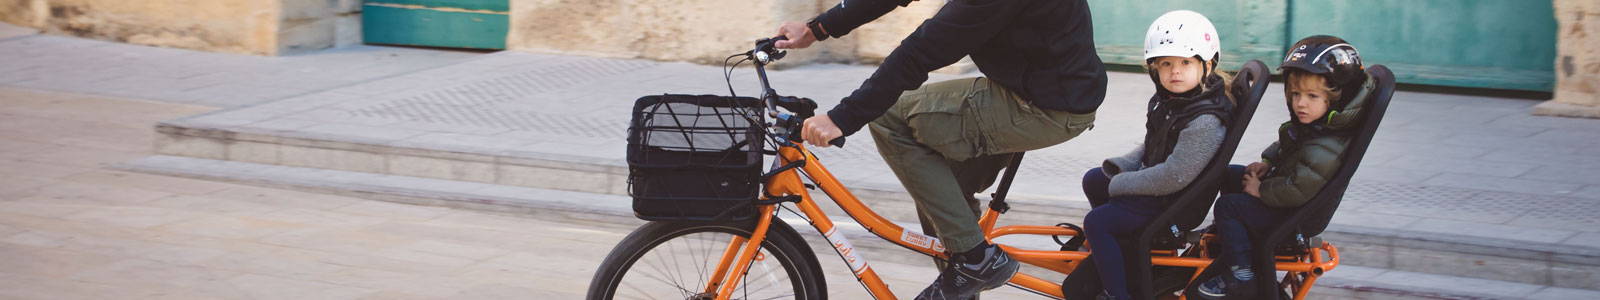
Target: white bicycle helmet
pixel 1182 33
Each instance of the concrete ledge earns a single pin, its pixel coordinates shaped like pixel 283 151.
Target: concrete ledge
pixel 1559 109
pixel 402 189
pixel 533 121
pixel 11 31
pixel 1461 255
pixel 484 165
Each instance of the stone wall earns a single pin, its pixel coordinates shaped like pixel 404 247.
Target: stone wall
pixel 318 24
pixel 237 26
pixel 23 12
pixel 1577 61
pixel 701 31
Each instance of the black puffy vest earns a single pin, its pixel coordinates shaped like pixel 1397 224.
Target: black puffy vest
pixel 1169 114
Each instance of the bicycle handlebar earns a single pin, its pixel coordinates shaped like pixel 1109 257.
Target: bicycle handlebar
pixel 765 53
pixel 766 50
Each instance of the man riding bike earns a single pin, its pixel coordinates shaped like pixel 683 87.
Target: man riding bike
pixel 947 140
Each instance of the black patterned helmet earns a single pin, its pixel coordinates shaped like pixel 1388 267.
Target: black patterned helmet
pixel 1328 56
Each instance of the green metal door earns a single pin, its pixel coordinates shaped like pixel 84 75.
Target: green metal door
pixel 1467 43
pixel 1249 29
pixel 480 24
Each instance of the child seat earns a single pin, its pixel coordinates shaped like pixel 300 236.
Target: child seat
pixel 1188 208
pixel 1299 232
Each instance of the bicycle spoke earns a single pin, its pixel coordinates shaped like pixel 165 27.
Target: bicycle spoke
pixel 665 270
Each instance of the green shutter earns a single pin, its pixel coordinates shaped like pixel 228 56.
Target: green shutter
pixel 1467 43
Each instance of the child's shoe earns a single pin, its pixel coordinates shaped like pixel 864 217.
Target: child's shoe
pixel 1217 287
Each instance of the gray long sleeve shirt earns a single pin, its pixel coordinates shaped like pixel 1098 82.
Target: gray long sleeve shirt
pixel 1196 144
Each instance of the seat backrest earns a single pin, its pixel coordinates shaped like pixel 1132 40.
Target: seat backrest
pixel 1190 205
pixel 1310 219
pixel 1313 217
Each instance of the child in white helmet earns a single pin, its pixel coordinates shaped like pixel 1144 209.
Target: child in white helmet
pixel 1185 124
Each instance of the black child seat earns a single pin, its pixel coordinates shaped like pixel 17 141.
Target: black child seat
pixel 1168 231
pixel 695 158
pixel 1298 234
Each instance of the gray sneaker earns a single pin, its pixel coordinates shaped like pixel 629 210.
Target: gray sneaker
pixel 961 280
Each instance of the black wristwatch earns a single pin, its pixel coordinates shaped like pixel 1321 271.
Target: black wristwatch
pixel 816 30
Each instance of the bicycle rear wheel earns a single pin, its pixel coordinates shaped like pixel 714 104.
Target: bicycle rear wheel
pixel 674 260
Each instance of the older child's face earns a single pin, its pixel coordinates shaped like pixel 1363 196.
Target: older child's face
pixel 1308 104
pixel 1178 74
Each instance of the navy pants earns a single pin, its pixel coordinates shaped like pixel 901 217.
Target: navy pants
pixel 1238 215
pixel 1110 218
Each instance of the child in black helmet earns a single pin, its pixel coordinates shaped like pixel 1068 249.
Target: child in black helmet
pixel 1326 89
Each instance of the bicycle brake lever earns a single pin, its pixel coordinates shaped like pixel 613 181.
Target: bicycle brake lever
pixel 803 107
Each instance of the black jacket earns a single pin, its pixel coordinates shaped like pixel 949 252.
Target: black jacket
pixel 1168 114
pixel 1041 49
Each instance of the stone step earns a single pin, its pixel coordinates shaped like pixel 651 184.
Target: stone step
pixel 1348 281
pixel 1480 251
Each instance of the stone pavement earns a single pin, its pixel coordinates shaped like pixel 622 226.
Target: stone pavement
pixel 72 229
pixel 56 63
pixel 1346 282
pixel 1453 184
pixel 1445 170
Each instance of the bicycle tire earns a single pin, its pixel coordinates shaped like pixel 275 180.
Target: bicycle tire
pixel 783 247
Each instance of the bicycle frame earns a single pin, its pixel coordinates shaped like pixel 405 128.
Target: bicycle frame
pixel 1302 271
pixel 789 183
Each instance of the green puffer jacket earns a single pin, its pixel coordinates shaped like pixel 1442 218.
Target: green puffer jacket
pixel 1312 155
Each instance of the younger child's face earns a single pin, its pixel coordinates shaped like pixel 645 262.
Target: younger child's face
pixel 1308 104
pixel 1178 74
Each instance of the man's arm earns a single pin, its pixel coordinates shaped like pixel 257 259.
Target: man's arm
pixel 849 14
pixel 835 22
pixel 958 29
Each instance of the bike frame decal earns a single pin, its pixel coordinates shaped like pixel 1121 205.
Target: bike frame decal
pixel 846 251
pixel 921 240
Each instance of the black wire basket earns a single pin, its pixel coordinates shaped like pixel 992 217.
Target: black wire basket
pixel 695 157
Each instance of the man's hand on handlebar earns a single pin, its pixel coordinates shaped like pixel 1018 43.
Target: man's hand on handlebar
pixel 819 130
pixel 799 36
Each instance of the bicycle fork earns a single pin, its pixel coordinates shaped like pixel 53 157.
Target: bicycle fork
pixel 746 251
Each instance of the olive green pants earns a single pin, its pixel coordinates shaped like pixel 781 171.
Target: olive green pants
pixel 946 141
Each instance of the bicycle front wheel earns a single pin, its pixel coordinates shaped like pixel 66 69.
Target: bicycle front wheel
pixel 675 260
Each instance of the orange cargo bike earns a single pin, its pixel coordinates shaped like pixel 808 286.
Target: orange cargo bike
pixel 696 174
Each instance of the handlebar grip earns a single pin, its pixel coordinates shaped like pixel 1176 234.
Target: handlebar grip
pixel 837 142
pixel 769 44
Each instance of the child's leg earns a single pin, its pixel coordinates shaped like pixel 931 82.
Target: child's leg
pixel 1102 226
pixel 1094 186
pixel 1235 236
pixel 1234 181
